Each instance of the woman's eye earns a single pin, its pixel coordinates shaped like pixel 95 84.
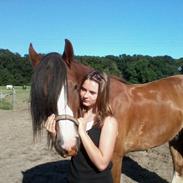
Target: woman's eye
pixel 93 93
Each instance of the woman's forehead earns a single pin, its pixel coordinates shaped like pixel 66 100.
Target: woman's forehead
pixel 90 85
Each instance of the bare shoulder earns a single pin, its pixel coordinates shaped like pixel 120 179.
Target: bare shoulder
pixel 110 121
pixel 110 126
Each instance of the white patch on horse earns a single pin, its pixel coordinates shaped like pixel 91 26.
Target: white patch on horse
pixel 66 127
pixel 177 178
pixel 62 106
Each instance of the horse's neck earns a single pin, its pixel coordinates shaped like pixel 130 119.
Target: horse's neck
pixel 117 87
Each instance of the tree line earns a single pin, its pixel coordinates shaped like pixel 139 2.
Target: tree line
pixel 17 70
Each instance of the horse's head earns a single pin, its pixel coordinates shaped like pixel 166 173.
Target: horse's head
pixel 55 90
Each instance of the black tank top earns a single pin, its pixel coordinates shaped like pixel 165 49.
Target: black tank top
pixel 82 170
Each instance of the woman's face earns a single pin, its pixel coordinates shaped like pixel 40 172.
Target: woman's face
pixel 89 93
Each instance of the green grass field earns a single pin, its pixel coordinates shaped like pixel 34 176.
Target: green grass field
pixel 20 98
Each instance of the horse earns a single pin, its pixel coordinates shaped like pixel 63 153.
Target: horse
pixel 148 115
pixel 9 87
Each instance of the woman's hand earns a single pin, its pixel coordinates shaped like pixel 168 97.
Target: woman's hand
pixel 50 124
pixel 82 125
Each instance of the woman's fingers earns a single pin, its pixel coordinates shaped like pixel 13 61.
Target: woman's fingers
pixel 50 124
pixel 53 127
pixel 82 125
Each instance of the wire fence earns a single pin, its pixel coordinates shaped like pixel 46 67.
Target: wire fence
pixel 7 98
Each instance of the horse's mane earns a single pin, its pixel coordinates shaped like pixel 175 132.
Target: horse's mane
pixel 48 78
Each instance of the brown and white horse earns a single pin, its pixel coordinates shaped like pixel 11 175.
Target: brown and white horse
pixel 148 114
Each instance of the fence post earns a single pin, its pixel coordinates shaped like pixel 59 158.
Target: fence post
pixel 13 98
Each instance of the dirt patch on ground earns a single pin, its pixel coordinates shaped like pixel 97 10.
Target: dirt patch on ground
pixel 22 161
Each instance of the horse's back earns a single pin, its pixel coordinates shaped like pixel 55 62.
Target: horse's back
pixel 151 113
pixel 163 90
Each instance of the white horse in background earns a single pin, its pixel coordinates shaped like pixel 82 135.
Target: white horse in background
pixel 9 87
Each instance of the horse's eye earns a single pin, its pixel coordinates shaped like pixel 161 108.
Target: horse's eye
pixel 75 87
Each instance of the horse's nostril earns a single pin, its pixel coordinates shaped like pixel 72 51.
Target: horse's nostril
pixel 73 151
pixel 63 153
pixel 60 149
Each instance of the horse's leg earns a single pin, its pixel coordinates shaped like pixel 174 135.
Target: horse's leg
pixel 176 149
pixel 116 169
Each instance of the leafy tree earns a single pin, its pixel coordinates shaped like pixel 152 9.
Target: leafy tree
pixel 14 69
pixel 6 77
pixel 17 70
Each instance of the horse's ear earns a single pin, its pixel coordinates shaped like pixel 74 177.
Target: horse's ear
pixel 34 56
pixel 68 54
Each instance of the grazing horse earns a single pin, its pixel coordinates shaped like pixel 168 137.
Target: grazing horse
pixel 148 114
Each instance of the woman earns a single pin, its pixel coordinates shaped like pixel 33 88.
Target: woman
pixel 98 130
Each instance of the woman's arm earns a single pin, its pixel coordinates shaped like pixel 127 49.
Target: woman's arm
pixel 100 156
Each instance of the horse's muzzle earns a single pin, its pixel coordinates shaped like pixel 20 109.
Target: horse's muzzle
pixel 66 153
pixel 72 151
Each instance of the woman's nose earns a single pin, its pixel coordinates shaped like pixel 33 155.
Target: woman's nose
pixel 86 94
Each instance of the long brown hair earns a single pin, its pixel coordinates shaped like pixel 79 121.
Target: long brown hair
pixel 103 108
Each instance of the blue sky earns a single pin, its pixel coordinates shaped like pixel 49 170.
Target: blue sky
pixel 96 27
